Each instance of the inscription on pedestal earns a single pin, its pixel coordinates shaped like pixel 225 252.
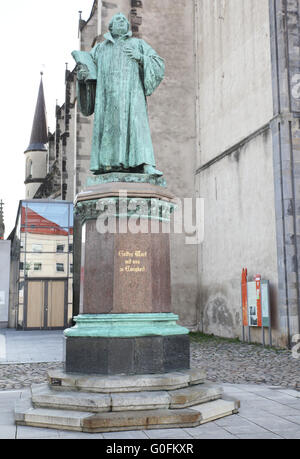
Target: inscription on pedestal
pixel 133 274
pixel 132 262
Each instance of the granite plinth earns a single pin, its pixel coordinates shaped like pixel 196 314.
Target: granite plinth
pixel 127 262
pixel 137 355
pixel 125 273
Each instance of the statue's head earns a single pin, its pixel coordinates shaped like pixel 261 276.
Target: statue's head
pixel 119 24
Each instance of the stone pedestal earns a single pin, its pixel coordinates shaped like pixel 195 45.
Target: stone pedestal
pixel 126 325
pixel 127 359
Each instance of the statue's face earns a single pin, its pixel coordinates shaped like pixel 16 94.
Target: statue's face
pixel 119 25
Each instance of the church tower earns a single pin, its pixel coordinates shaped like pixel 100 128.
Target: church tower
pixel 36 155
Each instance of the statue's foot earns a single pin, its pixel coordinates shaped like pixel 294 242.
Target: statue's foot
pixel 150 170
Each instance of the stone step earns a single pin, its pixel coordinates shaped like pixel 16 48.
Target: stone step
pixel 216 410
pixel 59 380
pixel 195 395
pixel 45 397
pixel 120 421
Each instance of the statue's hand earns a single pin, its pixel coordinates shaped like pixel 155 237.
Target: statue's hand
pixel 133 53
pixel 82 72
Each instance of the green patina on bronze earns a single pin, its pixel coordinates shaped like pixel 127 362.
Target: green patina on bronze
pixel 146 208
pixel 121 177
pixel 125 325
pixel 114 80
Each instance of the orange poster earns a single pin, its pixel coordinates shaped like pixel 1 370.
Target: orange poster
pixel 244 297
pixel 258 300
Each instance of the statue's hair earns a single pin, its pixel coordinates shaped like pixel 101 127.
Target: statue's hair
pixel 112 21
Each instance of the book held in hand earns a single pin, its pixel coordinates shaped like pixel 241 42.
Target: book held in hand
pixel 84 58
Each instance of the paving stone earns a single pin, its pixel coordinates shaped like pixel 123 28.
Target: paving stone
pixel 211 430
pixel 251 429
pixel 292 418
pixel 259 436
pixel 178 434
pixel 25 432
pixel 290 435
pixel 131 434
pixel 215 436
pixel 7 432
pixel 273 423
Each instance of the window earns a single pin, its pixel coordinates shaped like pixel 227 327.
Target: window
pixel 70 248
pixel 60 267
pixel 22 266
pixel 28 168
pixel 37 248
pixel 37 266
pixel 71 268
pixel 60 248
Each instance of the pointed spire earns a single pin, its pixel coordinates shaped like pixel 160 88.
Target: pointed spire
pixel 39 133
pixel 2 227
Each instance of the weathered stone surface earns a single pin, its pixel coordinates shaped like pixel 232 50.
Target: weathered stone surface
pixel 141 420
pixel 196 394
pixel 196 375
pixel 140 401
pixel 215 410
pixel 44 397
pixel 59 380
pixel 116 403
pixel 55 419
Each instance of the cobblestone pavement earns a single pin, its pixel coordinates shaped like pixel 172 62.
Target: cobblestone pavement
pixel 224 361
pixel 243 363
pixel 18 376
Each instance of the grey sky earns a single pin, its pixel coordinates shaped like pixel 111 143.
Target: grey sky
pixel 35 35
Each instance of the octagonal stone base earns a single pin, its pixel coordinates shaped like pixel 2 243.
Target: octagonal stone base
pixel 116 403
pixel 137 355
